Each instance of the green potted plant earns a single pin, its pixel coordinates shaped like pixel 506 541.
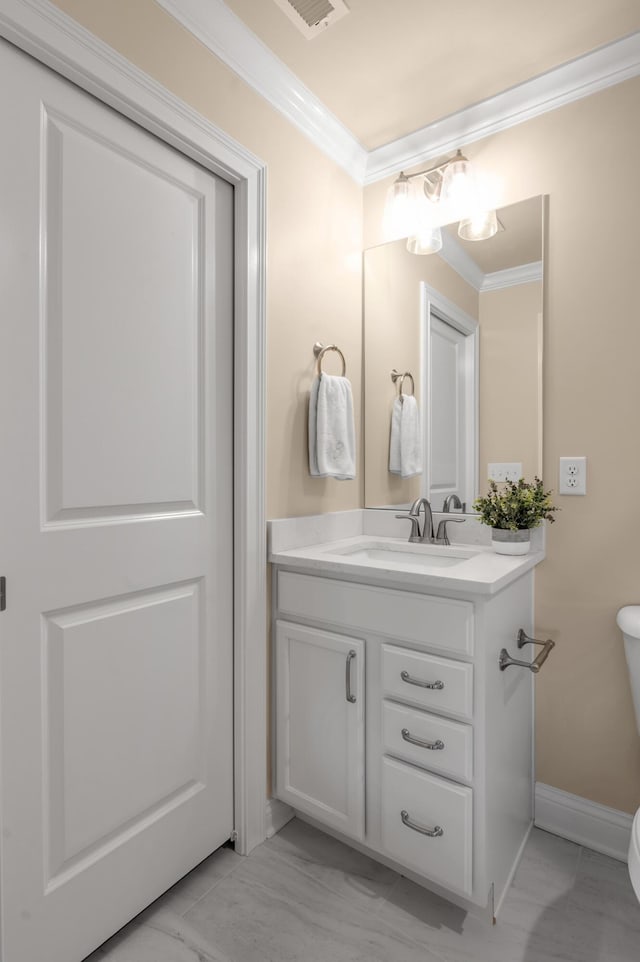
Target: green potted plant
pixel 512 510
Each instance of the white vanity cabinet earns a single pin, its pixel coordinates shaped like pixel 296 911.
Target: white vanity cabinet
pixel 429 769
pixel 320 725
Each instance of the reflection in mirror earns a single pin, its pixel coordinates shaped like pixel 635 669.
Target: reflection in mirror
pixel 467 325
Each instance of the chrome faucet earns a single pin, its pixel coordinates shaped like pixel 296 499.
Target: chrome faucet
pixel 453 501
pixel 424 536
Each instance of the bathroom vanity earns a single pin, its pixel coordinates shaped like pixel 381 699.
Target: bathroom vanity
pixel 395 728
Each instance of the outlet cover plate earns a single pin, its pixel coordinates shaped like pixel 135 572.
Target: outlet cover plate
pixel 573 476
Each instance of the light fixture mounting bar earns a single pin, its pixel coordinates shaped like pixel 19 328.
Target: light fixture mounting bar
pixel 432 170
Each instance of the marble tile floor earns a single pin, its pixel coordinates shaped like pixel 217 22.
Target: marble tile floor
pixel 303 897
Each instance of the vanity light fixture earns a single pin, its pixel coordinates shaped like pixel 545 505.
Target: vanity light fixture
pixel 418 204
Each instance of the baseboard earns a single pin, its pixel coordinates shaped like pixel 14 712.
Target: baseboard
pixel 595 826
pixel 277 815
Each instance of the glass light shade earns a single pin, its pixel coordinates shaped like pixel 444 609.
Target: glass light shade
pixel 399 211
pixel 480 226
pixel 426 237
pixel 459 191
pixel 428 241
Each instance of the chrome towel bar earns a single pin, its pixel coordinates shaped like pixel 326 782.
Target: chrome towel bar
pixel 505 659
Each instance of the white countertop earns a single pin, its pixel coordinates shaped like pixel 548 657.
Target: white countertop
pixel 478 570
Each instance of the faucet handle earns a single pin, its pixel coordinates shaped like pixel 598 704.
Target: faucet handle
pixel 415 525
pixel 442 535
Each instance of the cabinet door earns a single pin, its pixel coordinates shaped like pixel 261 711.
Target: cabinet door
pixel 320 725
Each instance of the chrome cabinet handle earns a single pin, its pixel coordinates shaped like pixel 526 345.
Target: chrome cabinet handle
pixel 505 659
pixel 438 685
pixel 347 682
pixel 436 746
pixel 434 832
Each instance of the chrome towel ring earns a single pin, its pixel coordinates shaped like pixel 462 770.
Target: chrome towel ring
pixel 397 376
pixel 319 350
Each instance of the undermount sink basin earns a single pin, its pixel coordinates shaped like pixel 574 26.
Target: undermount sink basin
pixel 401 557
pixel 403 553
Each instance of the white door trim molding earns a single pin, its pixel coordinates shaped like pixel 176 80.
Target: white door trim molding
pixel 432 301
pixel 595 826
pixel 56 40
pixel 225 34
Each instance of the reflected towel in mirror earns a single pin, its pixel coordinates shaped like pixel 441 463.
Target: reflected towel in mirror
pixel 332 436
pixel 405 444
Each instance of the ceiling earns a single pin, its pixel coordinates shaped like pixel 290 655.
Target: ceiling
pixel 393 66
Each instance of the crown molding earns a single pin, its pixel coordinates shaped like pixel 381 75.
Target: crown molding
pixel 572 81
pixel 458 259
pixel 226 36
pixel 512 276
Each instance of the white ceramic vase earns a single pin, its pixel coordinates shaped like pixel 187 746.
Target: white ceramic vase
pixel 511 542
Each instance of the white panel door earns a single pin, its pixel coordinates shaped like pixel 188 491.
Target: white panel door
pixel 320 725
pixel 447 464
pixel 116 516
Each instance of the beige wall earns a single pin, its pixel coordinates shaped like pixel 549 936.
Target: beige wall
pixel 392 279
pixel 586 157
pixel 587 742
pixel 510 383
pixel 314 216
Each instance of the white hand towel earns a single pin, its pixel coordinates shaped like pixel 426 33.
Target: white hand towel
pixel 394 440
pixel 332 436
pixel 405 443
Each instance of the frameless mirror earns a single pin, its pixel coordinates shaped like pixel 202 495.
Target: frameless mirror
pixel 472 346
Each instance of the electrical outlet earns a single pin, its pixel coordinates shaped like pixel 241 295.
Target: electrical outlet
pixel 505 471
pixel 573 476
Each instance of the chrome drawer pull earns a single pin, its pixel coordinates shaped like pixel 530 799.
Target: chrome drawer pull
pixel 438 685
pixel 436 746
pixel 347 680
pixel 435 832
pixel 506 660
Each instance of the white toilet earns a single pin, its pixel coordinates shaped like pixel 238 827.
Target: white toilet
pixel 629 623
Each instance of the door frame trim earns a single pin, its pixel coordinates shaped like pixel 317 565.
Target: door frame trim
pixel 56 40
pixel 432 301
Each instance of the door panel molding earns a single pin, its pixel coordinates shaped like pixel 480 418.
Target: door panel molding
pixel 57 41
pixel 81 823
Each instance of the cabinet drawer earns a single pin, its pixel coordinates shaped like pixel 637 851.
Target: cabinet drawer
pixel 426 802
pixel 441 623
pixel 447 748
pixel 429 682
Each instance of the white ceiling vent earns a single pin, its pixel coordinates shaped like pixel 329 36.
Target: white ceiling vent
pixel 311 17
